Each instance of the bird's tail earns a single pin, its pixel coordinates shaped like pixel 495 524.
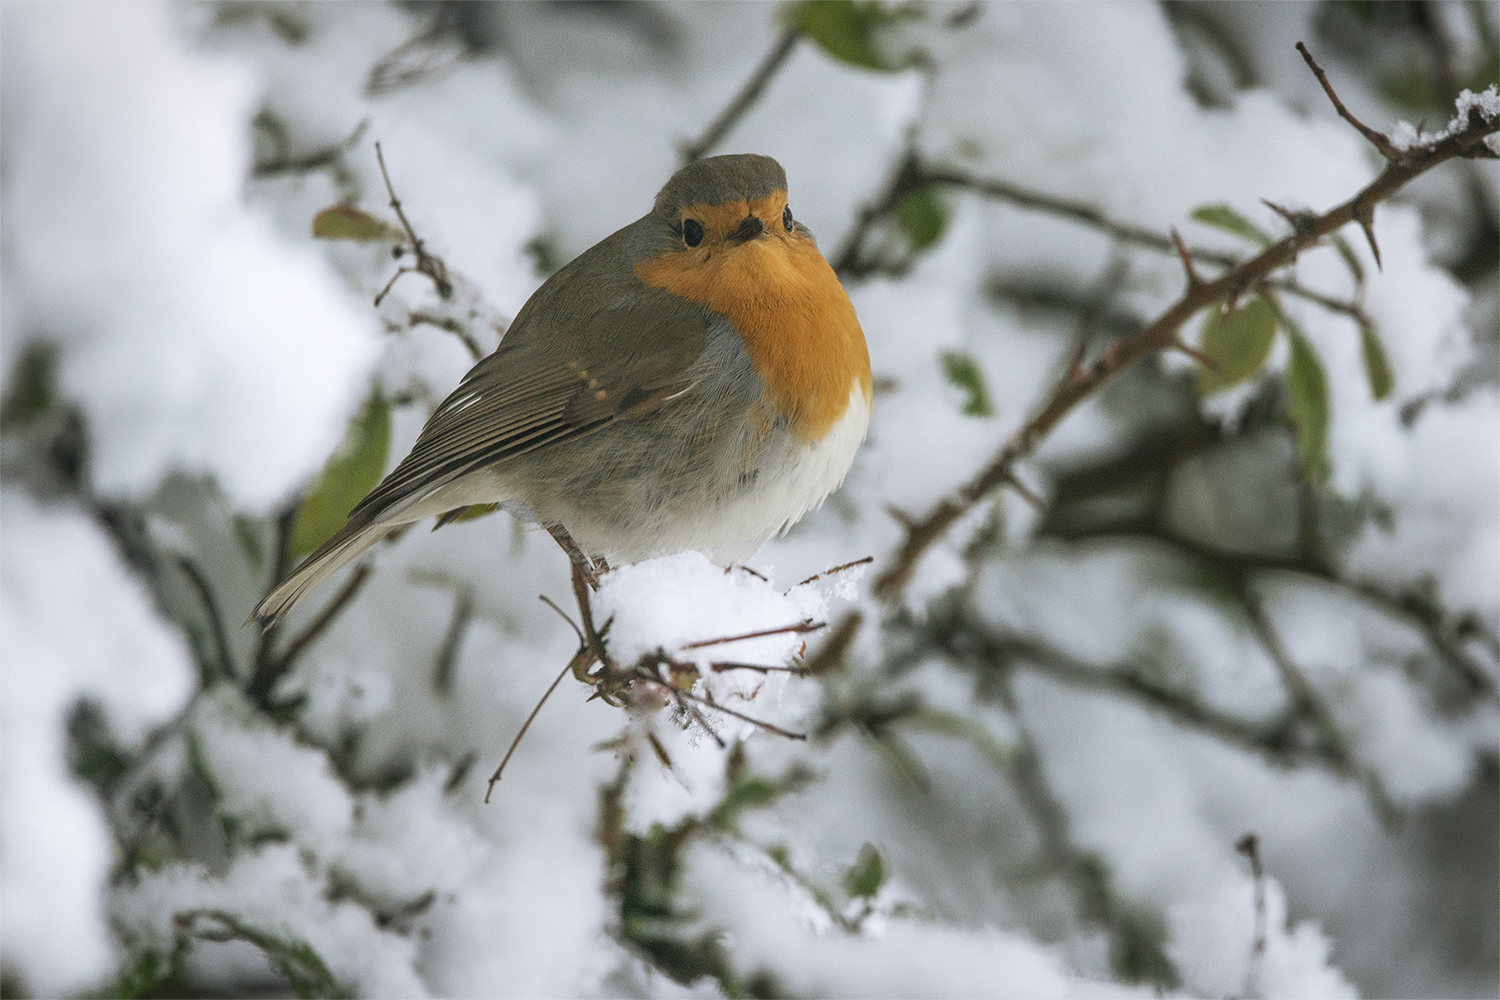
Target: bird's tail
pixel 337 552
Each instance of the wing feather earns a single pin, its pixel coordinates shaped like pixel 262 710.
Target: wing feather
pixel 616 363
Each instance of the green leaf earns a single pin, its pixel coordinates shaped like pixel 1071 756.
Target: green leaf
pixel 1238 343
pixel 848 31
pixel 247 534
pixel 1350 259
pixel 963 372
pixel 32 387
pixel 868 874
pixel 1225 218
pixel 1307 389
pixel 345 222
pixel 1377 366
pixel 923 215
pixel 352 472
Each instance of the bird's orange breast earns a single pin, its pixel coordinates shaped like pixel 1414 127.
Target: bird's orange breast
pixel 785 302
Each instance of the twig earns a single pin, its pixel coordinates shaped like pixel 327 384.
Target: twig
pixel 801 628
pixel 1249 846
pixel 210 604
pixel 1308 703
pixel 453 326
pixel 720 666
pixel 1377 139
pixel 835 570
pixel 1161 333
pixel 316 160
pixel 495 778
pixel 427 263
pixel 747 96
pixel 645 675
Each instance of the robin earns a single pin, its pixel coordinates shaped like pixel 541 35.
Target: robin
pixel 698 380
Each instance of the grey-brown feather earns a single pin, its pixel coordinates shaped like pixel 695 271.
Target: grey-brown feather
pixel 607 407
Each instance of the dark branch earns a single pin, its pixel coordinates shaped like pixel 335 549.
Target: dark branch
pixel 215 619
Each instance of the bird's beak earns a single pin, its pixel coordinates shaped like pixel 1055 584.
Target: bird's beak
pixel 750 229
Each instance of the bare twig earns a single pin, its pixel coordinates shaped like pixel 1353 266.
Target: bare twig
pixel 1249 846
pixel 747 96
pixel 495 778
pixel 836 570
pixel 427 263
pixel 1161 333
pixel 215 619
pixel 316 160
pixel 677 692
pixel 1377 139
pixel 801 628
pixel 450 324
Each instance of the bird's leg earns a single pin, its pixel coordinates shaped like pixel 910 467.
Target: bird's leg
pixel 575 554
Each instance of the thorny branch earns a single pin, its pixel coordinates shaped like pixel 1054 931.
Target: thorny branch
pixel 1080 382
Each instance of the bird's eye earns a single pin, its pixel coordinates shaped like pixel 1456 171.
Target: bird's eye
pixel 692 232
pixel 786 218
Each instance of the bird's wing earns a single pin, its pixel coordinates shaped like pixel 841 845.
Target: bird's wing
pixel 547 384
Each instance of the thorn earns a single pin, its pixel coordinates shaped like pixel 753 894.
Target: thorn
pixel 1027 493
pixel 1285 213
pixel 1196 355
pixel 900 516
pixel 1301 222
pixel 1366 220
pixel 1187 260
pixel 1075 364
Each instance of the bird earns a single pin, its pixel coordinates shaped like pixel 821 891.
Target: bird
pixel 697 380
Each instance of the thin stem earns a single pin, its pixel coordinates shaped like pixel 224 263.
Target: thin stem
pixel 215 620
pixel 495 778
pixel 748 95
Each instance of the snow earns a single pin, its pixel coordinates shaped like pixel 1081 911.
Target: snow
pixel 74 624
pixel 206 341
